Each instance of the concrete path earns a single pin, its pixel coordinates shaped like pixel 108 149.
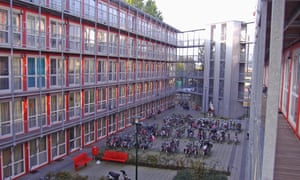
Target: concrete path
pixel 223 157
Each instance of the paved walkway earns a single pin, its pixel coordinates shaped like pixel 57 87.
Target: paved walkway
pixel 223 157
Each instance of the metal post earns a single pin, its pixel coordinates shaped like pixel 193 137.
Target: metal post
pixel 205 102
pixel 136 122
pixel 136 151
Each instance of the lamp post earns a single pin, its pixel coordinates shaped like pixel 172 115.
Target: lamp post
pixel 205 103
pixel 136 122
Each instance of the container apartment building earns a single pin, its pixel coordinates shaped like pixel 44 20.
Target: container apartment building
pixel 73 72
pixel 217 69
pixel 275 114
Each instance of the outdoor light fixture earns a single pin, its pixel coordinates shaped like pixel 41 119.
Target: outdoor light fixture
pixel 136 122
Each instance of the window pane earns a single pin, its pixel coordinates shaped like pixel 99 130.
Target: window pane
pixel 4 73
pixel 4 112
pixel 53 66
pixel 4 83
pixel 3 66
pixel 5 118
pixel 3 26
pixel 31 66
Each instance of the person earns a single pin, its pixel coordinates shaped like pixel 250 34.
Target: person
pixel 125 176
pixel 247 135
pixel 211 109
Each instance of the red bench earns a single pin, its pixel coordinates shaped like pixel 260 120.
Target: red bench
pixel 116 156
pixel 81 160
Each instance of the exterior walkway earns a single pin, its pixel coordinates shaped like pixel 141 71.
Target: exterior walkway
pixel 287 160
pixel 223 157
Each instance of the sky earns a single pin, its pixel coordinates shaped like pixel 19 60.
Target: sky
pixel 194 14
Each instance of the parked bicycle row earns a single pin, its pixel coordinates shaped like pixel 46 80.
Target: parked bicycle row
pixel 176 127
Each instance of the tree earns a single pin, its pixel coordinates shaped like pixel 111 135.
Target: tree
pixel 151 8
pixel 148 7
pixel 136 3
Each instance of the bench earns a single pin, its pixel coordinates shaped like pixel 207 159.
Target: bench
pixel 116 156
pixel 81 160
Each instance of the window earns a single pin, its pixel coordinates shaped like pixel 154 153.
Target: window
pixel 102 76
pixel 223 51
pixel 89 71
pixel 144 90
pixel 89 101
pixel 75 7
pixel 36 31
pixel 122 45
pixel 38 152
pixel 3 26
pixel 130 73
pixel 137 91
pixel 18 116
pixel 223 32
pixel 36 112
pixel 243 32
pixel 130 47
pixel 36 72
pixel 150 50
pixel 144 28
pixel 285 85
pixel 57 72
pixel 222 69
pixel 57 108
pixel 129 119
pixel 58 144
pixel 112 97
pixel 17 73
pixel 112 125
pixel 89 9
pixel 213 33
pixel 113 17
pixel 102 42
pixel 122 71
pixel 294 90
pixel 74 104
pixel 122 20
pixel 138 72
pixel 121 120
pixel 56 4
pixel 38 2
pixel 89 132
pixel 151 89
pixel 74 71
pixel 74 37
pixel 112 71
pixel 5 118
pixel 130 22
pixel 17 28
pixel 102 13
pixel 10 118
pixel 57 35
pixel 122 95
pixel 89 40
pixel 13 161
pixel 145 69
pixel 102 127
pixel 130 93
pixel 138 25
pixel 75 137
pixel 102 100
pixel 149 32
pixel 139 48
pixel 4 73
pixel 112 45
pixel 144 49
